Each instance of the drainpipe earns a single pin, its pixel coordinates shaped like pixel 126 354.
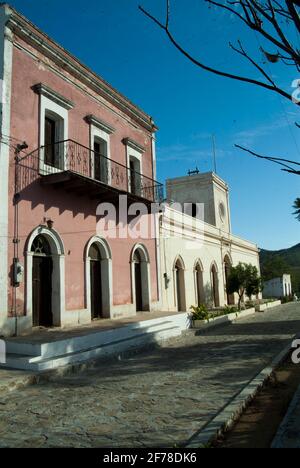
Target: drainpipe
pixel 156 226
pixel 16 239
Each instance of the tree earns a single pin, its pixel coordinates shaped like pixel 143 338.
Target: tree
pixel 277 24
pixel 243 279
pixel 276 21
pixel 273 267
pixel 296 207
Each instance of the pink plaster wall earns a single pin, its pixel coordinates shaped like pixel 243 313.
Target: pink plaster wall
pixel 74 217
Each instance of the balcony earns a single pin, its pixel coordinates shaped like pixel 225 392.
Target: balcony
pixel 75 168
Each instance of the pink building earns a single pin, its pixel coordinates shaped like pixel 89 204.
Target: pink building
pixel 85 144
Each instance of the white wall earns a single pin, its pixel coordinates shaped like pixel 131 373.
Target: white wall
pixel 278 287
pixel 198 241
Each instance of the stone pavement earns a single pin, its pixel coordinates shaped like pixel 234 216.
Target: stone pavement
pixel 159 398
pixel 288 435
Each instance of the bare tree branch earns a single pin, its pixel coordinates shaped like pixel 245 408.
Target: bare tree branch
pixel 293 12
pixel 166 28
pixel 242 52
pixel 285 163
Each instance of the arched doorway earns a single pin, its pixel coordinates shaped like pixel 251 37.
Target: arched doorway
pixel 47 243
pixel 140 279
pixel 42 270
pixel 96 282
pixel 98 267
pixel 199 286
pixel 180 285
pixel 227 268
pixel 215 286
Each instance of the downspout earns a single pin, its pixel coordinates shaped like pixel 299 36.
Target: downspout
pixel 156 223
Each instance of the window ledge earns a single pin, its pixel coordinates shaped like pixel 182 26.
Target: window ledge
pixel 44 90
pixel 105 127
pixel 134 145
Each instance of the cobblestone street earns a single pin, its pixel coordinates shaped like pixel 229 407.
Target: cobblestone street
pixel 159 398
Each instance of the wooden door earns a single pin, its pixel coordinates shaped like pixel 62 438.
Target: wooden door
pixel 178 287
pixel 50 131
pixel 96 282
pixel 97 161
pixel 42 291
pixel 138 286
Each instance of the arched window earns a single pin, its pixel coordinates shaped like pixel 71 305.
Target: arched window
pixel 215 286
pixel 199 285
pixel 180 284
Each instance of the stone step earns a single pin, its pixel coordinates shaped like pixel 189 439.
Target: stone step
pixel 76 344
pixel 40 363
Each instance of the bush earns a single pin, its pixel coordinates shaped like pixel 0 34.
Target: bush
pixel 287 299
pixel 199 312
pixel 230 310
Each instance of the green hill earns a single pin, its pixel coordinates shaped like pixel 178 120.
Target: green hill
pixel 276 263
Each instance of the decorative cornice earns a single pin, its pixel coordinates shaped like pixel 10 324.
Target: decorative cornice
pixel 134 145
pixel 44 90
pixel 27 31
pixel 105 127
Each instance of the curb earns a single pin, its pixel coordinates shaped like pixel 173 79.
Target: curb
pixel 228 416
pixel 224 320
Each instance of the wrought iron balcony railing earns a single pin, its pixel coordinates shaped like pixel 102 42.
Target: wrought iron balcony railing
pixel 70 157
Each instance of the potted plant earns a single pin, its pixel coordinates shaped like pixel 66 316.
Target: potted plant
pixel 199 315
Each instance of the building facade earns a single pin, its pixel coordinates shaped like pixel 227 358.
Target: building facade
pixel 278 287
pixel 77 163
pixel 197 251
pixel 84 144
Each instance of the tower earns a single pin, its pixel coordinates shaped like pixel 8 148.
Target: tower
pixel 206 188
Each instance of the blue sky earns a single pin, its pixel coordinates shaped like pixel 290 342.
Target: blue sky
pixel 188 104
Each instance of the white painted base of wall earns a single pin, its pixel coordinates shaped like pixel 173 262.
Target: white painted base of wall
pixel 72 318
pixel 268 305
pixel 8 326
pixel 230 318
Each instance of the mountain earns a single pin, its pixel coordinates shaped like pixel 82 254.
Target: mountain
pixel 277 262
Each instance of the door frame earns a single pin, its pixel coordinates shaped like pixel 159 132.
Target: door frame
pixel 215 285
pixel 106 276
pixel 146 277
pixel 58 273
pixel 199 285
pixel 179 262
pixel 43 258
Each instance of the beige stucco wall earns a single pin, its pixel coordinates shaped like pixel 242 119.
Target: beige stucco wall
pixel 197 242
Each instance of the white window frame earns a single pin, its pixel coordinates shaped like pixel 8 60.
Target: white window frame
pixel 51 107
pixel 97 133
pixel 133 151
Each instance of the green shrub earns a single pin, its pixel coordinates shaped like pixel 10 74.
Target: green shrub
pixel 230 310
pixel 199 312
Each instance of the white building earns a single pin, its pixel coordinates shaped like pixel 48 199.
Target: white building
pixel 278 287
pixel 196 255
